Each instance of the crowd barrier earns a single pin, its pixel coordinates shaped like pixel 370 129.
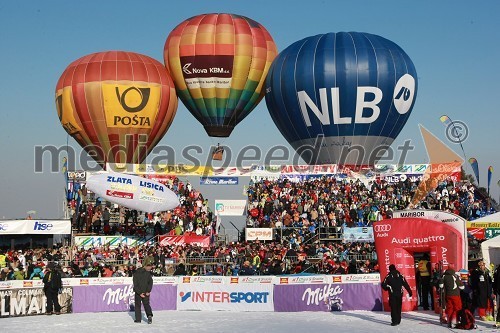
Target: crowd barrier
pixel 287 293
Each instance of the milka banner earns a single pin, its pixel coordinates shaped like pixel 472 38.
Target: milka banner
pixel 35 227
pixel 120 298
pixel 227 297
pixel 328 297
pixel 358 234
pixel 30 301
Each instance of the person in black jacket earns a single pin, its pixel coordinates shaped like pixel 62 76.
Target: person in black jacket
pixel 482 289
pixel 52 285
pixel 394 283
pixel 143 284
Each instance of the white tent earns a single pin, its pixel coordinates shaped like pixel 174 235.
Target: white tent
pixel 491 251
pixel 489 218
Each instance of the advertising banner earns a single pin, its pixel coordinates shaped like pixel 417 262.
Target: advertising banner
pixel 397 239
pixel 230 207
pixel 252 234
pixel 358 234
pixel 133 191
pixel 120 298
pixel 328 297
pixel 225 297
pixel 35 227
pixel 310 169
pixel 218 180
pixel 203 241
pixel 111 241
pixel 450 219
pixel 31 301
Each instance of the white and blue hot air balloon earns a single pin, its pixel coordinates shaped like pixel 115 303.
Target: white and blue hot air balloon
pixel 341 97
pixel 133 192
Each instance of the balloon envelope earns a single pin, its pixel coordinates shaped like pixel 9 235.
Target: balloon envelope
pixel 219 63
pixel 352 91
pixel 115 104
pixel 133 192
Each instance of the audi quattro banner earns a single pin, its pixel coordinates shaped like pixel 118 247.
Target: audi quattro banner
pixel 457 222
pixel 104 298
pixel 252 234
pixel 35 227
pixel 225 297
pixel 31 301
pixel 328 297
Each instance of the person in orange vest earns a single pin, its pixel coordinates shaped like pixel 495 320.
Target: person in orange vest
pixel 424 278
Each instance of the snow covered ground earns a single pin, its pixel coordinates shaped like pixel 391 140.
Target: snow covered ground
pixel 199 322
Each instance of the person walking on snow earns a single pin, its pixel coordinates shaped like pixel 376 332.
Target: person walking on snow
pixel 394 283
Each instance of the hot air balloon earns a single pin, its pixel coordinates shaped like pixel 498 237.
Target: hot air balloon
pixel 117 105
pixel 219 63
pixel 341 97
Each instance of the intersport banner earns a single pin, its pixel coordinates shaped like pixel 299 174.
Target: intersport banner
pixel 35 227
pixel 120 298
pixel 328 297
pixel 225 297
pixel 396 240
pixel 203 241
pixel 31 301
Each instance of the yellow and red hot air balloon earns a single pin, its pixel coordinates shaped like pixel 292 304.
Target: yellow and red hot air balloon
pixel 117 105
pixel 219 64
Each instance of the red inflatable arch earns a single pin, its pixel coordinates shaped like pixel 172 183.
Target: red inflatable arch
pixel 396 240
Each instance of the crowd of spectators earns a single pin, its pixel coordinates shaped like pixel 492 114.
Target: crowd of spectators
pixel 193 214
pixel 237 258
pixel 336 203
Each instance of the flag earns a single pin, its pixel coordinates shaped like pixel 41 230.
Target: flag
pixel 490 173
pixel 475 168
pixel 447 122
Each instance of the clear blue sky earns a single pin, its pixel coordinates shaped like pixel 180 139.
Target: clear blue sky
pixel 453 44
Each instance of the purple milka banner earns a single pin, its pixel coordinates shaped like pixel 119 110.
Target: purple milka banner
pixel 120 298
pixel 327 297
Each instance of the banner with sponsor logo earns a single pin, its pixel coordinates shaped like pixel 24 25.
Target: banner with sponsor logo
pixel 309 169
pixel 31 301
pixel 133 192
pixel 396 240
pixel 252 234
pixel 218 180
pixel 35 227
pixel 203 241
pixel 112 241
pixel 358 234
pixel 328 297
pixel 230 207
pixel 109 298
pixel 450 219
pixel 225 297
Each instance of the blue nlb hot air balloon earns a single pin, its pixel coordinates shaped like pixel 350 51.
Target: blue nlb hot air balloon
pixel 341 97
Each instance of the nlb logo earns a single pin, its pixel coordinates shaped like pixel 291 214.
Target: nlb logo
pixel 4 227
pixel 224 297
pixel 43 226
pixel 403 95
pixel 382 227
